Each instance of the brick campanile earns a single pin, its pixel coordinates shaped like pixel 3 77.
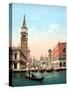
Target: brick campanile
pixel 24 37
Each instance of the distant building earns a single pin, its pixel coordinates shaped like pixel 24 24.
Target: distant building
pixel 59 56
pixel 35 62
pixel 18 56
pixel 41 58
pixel 29 58
pixel 43 62
pixel 49 57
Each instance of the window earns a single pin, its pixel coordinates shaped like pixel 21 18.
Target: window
pixel 23 35
pixel 64 64
pixel 15 65
pixel 60 64
pixel 15 55
pixel 64 50
pixel 60 58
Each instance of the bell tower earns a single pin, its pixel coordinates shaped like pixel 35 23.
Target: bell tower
pixel 24 37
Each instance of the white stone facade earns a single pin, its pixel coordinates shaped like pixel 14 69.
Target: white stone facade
pixel 59 64
pixel 17 59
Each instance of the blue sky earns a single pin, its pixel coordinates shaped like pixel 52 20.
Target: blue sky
pixel 46 26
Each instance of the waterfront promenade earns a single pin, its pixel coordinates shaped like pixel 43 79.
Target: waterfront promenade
pixel 41 70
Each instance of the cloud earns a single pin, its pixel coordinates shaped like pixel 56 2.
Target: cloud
pixel 43 33
pixel 53 27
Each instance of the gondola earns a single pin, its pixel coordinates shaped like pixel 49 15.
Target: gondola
pixel 33 76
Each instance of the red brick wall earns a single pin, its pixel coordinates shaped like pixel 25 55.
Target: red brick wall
pixel 58 50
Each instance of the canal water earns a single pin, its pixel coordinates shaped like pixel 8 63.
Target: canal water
pixel 56 77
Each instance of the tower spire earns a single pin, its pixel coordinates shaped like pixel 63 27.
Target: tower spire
pixel 24 23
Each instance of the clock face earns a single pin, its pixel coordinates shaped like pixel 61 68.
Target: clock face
pixel 24 30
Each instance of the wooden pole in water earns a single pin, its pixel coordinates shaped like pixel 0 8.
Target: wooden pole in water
pixel 29 72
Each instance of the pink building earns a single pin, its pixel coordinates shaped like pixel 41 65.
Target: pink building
pixel 60 51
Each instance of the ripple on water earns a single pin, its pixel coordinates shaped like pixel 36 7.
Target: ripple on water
pixel 18 79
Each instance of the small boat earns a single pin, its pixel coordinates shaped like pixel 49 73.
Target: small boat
pixel 35 76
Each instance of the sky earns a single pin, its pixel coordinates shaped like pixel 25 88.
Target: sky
pixel 46 26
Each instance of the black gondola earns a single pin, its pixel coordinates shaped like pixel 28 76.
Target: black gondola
pixel 33 76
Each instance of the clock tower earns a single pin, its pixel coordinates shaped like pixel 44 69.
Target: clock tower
pixel 24 37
